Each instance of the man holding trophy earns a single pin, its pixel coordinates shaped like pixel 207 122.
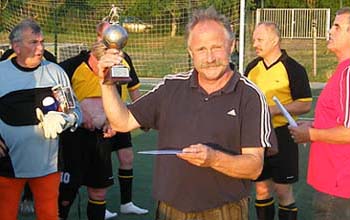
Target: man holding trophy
pixel 87 152
pixel 215 119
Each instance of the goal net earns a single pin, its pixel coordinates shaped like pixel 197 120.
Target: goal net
pixel 155 27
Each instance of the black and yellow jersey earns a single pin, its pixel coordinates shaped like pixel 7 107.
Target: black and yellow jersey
pixel 85 82
pixel 285 79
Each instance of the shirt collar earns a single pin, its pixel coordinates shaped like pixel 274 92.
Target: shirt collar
pixel 282 58
pixel 24 69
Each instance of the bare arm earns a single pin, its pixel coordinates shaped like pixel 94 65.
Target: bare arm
pixel 119 117
pixel 306 133
pixel 295 108
pixel 336 135
pixel 87 119
pixel 246 166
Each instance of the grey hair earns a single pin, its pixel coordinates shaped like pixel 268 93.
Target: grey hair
pixel 209 14
pixel 345 10
pixel 272 26
pixel 17 31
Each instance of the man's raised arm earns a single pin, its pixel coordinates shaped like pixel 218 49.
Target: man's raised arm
pixel 119 117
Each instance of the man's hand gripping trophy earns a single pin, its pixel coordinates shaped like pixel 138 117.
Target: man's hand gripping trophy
pixel 116 37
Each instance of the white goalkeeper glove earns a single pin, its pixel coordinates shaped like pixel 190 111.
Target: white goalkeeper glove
pixel 53 123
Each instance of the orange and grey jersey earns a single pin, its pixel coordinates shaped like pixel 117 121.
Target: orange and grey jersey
pixel 85 82
pixel 22 90
pixel 286 79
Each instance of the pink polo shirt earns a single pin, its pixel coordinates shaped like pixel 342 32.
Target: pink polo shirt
pixel 329 164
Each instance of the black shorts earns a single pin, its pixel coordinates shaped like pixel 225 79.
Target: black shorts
pixel 86 159
pixel 283 167
pixel 121 140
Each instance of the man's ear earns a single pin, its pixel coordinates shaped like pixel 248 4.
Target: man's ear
pixel 189 52
pixel 275 41
pixel 233 46
pixel 15 47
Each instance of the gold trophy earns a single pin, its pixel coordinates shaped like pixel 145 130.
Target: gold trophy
pixel 115 36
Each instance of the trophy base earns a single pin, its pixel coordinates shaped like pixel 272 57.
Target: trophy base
pixel 119 71
pixel 118 74
pixel 122 80
pixel 117 80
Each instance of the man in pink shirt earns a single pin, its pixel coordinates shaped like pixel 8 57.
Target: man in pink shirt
pixel 329 161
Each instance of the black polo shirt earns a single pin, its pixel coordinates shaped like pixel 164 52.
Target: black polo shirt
pixel 234 117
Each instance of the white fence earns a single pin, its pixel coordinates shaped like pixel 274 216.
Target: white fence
pixel 297 22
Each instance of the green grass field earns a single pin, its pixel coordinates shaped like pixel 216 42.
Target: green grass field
pixel 142 190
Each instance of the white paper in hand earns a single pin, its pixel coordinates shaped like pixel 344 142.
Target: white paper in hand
pixel 160 152
pixel 284 111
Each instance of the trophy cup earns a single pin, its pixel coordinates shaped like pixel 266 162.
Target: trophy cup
pixel 115 36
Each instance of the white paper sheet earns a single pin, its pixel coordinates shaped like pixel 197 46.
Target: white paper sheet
pixel 285 113
pixel 160 152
